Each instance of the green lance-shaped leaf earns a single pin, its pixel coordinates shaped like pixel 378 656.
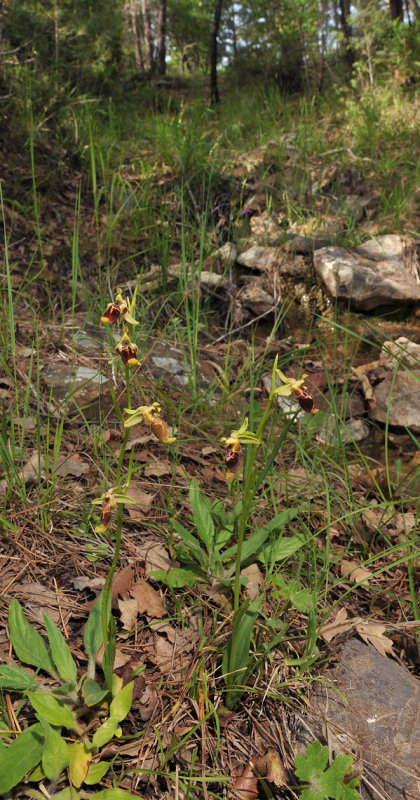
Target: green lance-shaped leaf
pixel 191 543
pixel 105 733
pixel 63 659
pixel 93 693
pixel 96 772
pixel 280 549
pixel 15 679
pixel 54 711
pixel 93 630
pixel 115 794
pixel 241 633
pixel 29 646
pixel 67 794
pixel 202 515
pixel 122 701
pixel 55 753
pixel 22 755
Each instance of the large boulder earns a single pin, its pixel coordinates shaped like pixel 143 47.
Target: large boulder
pixel 384 271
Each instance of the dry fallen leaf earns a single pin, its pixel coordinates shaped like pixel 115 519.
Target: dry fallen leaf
pixel 354 572
pixel 155 556
pixel 148 600
pixel 340 624
pixel 270 767
pixel 255 580
pixel 71 466
pixel 143 502
pixel 38 598
pixel 245 785
pixel 128 609
pixel 157 469
pixel 122 583
pixel 373 633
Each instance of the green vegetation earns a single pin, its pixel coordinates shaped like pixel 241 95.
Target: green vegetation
pixel 186 626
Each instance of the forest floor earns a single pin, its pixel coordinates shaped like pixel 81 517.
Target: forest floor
pixel 335 552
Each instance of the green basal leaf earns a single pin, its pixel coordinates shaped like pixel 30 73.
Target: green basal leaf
pixel 92 637
pixel 29 646
pixel 280 549
pixel 65 688
pixel 175 578
pixel 63 659
pixel 325 783
pixel 108 658
pixel 15 679
pixel 54 711
pixel 105 733
pixel 92 693
pixel 55 753
pixel 242 631
pixel 67 794
pixel 122 701
pixel 96 772
pixel 191 543
pixel 22 755
pixel 250 547
pixel 201 511
pixel 114 794
pixel 37 774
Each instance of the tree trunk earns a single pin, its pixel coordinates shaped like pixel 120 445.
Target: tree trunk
pixel 148 36
pixel 397 9
pixel 162 37
pixel 344 14
pixel 214 90
pixel 137 44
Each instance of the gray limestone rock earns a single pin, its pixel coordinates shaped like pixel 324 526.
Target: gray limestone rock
pixel 398 399
pixel 367 282
pixel 369 706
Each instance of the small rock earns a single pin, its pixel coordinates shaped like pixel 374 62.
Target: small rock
pixel 401 351
pixel 398 400
pixel 307 244
pixel 256 299
pixel 384 248
pixel 264 229
pixel 257 257
pixel 354 430
pixel 227 254
pixel 81 387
